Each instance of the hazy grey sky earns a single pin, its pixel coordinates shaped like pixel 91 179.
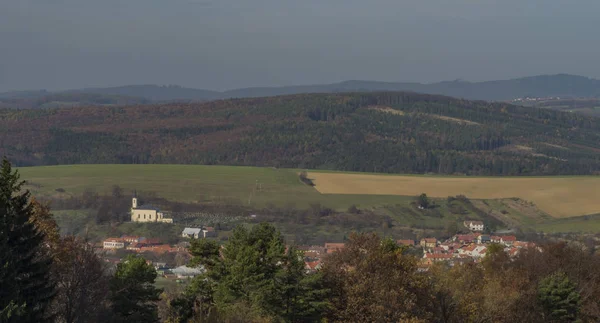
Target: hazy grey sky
pixel 222 44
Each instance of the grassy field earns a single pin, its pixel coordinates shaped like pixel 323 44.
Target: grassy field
pixel 590 224
pixel 557 196
pixel 192 183
pixel 545 203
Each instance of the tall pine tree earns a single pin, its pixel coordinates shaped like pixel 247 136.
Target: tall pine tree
pixel 252 278
pixel 132 292
pixel 26 288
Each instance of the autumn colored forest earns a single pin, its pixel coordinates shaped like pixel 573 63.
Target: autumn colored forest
pixel 392 132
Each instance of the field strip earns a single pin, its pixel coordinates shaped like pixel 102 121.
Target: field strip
pixel 559 196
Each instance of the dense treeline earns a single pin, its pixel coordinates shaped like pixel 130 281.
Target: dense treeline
pixel 376 132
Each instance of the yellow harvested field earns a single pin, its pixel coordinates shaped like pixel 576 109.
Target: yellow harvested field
pixel 557 196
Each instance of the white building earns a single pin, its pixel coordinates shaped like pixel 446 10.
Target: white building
pixel 113 243
pixel 474 225
pixel 191 233
pixel 146 213
pixel 187 272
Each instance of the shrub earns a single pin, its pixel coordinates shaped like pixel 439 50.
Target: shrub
pixel 304 178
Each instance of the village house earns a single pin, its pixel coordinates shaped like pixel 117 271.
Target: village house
pixel 333 247
pixel 474 225
pixel 113 243
pixel 508 240
pixel 473 250
pixel 312 266
pixel 191 233
pixel 428 242
pixel 143 243
pixel 465 238
pixel 146 213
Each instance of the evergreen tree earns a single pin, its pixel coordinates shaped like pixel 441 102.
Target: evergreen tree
pixel 559 298
pixel 26 289
pixel 253 277
pixel 299 297
pixel 423 201
pixel 132 291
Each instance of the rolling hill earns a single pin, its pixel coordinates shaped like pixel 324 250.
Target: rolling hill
pixel 369 132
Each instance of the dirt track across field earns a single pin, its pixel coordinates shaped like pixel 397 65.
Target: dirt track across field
pixel 557 196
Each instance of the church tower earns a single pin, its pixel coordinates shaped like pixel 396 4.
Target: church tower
pixel 134 201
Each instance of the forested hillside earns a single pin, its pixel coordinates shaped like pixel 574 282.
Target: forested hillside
pixel 374 132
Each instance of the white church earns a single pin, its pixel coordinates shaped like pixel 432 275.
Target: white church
pixel 146 213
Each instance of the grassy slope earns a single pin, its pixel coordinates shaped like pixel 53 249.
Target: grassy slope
pixel 589 223
pixel 280 187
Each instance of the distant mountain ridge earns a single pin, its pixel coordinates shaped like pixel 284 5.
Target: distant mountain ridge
pixel 534 86
pixel 558 85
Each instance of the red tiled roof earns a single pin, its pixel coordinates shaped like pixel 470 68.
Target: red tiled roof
pixel 509 238
pixel 152 241
pixel 469 247
pixel 332 247
pixel 312 264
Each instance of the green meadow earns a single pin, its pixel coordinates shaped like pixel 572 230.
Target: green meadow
pixel 258 187
pixel 253 186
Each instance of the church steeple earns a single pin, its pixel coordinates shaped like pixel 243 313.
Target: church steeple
pixel 134 200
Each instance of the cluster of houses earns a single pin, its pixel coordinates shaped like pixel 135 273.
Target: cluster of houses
pixel 141 244
pixel 464 248
pixel 138 244
pixel 313 255
pixel 460 249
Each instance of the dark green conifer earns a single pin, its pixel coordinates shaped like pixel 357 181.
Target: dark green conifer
pixel 25 285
